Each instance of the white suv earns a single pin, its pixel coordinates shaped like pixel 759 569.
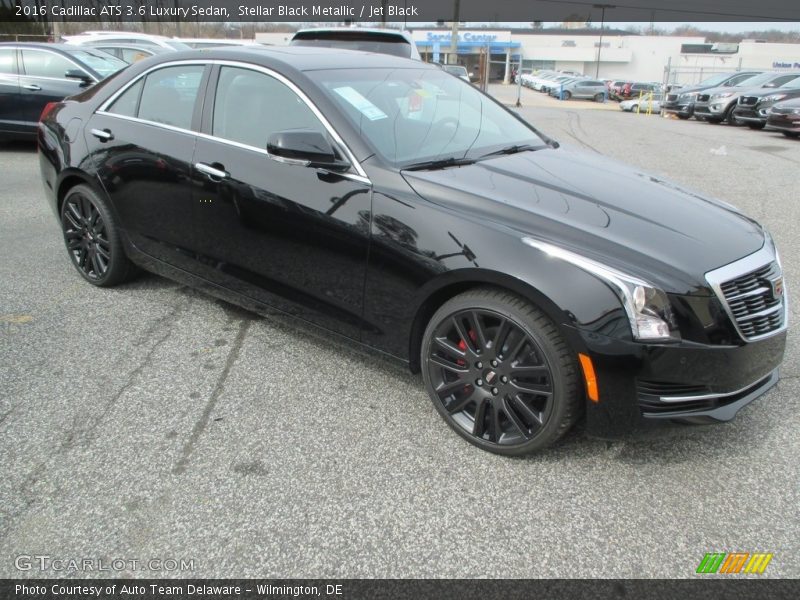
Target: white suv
pixel 90 38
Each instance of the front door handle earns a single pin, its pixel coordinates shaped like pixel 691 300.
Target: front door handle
pixel 32 87
pixel 104 135
pixel 212 172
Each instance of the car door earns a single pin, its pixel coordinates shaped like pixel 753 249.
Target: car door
pixel 9 91
pixel 290 236
pixel 141 142
pixel 42 80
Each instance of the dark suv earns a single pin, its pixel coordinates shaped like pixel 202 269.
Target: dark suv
pixel 681 102
pixel 753 107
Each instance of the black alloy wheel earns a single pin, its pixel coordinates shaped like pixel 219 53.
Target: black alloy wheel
pixel 92 239
pixel 599 97
pixel 499 372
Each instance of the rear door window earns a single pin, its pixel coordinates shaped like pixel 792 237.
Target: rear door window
pixel 7 63
pixel 169 95
pixel 41 63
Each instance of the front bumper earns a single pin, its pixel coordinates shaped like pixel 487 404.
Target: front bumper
pixel 783 122
pixel 751 114
pixel 684 110
pixel 646 385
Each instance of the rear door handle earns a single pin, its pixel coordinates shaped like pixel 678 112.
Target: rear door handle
pixel 32 87
pixel 104 135
pixel 212 172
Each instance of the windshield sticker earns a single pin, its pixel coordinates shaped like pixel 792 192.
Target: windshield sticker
pixel 364 106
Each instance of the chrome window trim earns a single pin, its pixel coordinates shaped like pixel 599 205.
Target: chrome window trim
pixel 360 174
pixel 760 258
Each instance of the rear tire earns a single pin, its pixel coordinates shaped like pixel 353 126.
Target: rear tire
pixel 499 372
pixel 791 134
pixel 599 97
pixel 93 239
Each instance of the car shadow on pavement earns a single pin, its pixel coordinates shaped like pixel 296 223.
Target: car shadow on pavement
pixel 18 146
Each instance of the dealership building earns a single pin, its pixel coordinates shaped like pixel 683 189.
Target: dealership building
pixel 620 54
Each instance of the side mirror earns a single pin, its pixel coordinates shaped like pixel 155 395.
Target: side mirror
pixel 304 148
pixel 78 74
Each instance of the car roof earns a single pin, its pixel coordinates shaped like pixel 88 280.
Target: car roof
pixel 299 58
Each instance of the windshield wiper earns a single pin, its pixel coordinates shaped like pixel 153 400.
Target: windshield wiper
pixel 441 163
pixel 512 150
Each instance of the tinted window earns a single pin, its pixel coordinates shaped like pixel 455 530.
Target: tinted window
pixel 128 103
pixel 7 61
pixel 381 43
pixel 783 80
pixel 40 63
pixel 169 95
pixel 250 106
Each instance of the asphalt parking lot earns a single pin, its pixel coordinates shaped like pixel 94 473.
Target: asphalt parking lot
pixel 151 421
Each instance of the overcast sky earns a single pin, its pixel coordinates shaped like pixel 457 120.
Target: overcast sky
pixel 729 27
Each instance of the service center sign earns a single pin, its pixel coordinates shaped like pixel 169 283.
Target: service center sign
pixel 439 36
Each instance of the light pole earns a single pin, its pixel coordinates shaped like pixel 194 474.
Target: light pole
pixel 453 58
pixel 602 8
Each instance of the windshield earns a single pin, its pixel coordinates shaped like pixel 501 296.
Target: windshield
pixel 757 80
pixel 416 115
pixel 717 79
pixel 455 70
pixel 100 62
pixel 792 83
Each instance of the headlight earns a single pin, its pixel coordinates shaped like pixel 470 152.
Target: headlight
pixel 773 98
pixel 689 96
pixel 648 308
pixel 723 95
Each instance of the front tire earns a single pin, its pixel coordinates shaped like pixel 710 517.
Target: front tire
pixel 92 238
pixel 500 373
pixel 566 95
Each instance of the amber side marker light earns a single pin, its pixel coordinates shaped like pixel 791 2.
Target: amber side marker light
pixel 589 377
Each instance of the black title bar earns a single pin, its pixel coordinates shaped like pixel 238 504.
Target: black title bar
pixel 526 11
pixel 712 588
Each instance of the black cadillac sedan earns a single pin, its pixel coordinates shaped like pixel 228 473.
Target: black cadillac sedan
pixel 397 206
pixel 33 74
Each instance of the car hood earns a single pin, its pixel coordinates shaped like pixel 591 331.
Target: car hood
pixel 636 221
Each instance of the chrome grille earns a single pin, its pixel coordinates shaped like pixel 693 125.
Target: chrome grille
pixel 752 293
pixel 703 97
pixel 672 97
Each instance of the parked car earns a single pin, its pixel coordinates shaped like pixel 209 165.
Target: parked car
pixel 382 41
pixel 129 53
pixel 458 71
pixel 124 37
pixel 637 89
pixel 615 92
pixel 215 42
pixel 33 74
pixel 645 104
pixel 752 108
pixel 681 102
pixel 399 207
pixel 785 117
pixel 582 88
pixel 553 83
pixel 716 105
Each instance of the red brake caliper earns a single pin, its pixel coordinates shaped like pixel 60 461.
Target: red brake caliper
pixel 462 345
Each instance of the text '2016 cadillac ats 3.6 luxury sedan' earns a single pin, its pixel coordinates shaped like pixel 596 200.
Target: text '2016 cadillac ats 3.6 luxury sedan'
pixel 392 203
